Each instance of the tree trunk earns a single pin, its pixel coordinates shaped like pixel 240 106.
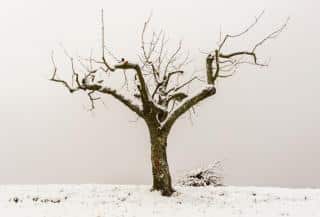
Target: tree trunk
pixel 160 167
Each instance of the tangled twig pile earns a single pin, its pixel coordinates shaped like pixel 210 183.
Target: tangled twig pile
pixel 210 175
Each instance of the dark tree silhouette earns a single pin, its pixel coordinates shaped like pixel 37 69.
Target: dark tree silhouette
pixel 158 85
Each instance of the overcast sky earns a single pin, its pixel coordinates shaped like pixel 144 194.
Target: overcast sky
pixel 263 123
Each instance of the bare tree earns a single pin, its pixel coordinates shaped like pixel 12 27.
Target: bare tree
pixel 158 84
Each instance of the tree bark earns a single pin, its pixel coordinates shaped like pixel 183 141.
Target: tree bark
pixel 160 167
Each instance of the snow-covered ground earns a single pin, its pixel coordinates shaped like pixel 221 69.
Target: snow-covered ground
pixel 138 201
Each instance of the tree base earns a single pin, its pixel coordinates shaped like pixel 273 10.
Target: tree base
pixel 164 192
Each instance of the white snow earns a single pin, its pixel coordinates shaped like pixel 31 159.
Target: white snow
pixel 138 201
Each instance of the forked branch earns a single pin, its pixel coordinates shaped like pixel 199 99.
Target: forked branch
pixel 216 62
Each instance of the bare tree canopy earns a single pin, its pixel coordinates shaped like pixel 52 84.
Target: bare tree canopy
pixel 157 85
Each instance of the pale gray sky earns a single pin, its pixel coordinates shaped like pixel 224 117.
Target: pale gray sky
pixel 263 123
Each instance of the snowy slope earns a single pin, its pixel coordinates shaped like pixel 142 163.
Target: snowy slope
pixel 138 201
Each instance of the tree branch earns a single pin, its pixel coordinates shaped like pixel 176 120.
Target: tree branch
pixel 115 94
pixel 242 32
pixel 92 87
pixel 55 79
pixel 143 87
pixel 187 104
pixel 213 68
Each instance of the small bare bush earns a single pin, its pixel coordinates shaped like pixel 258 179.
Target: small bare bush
pixel 210 175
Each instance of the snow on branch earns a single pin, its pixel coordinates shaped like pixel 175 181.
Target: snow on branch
pixel 163 101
